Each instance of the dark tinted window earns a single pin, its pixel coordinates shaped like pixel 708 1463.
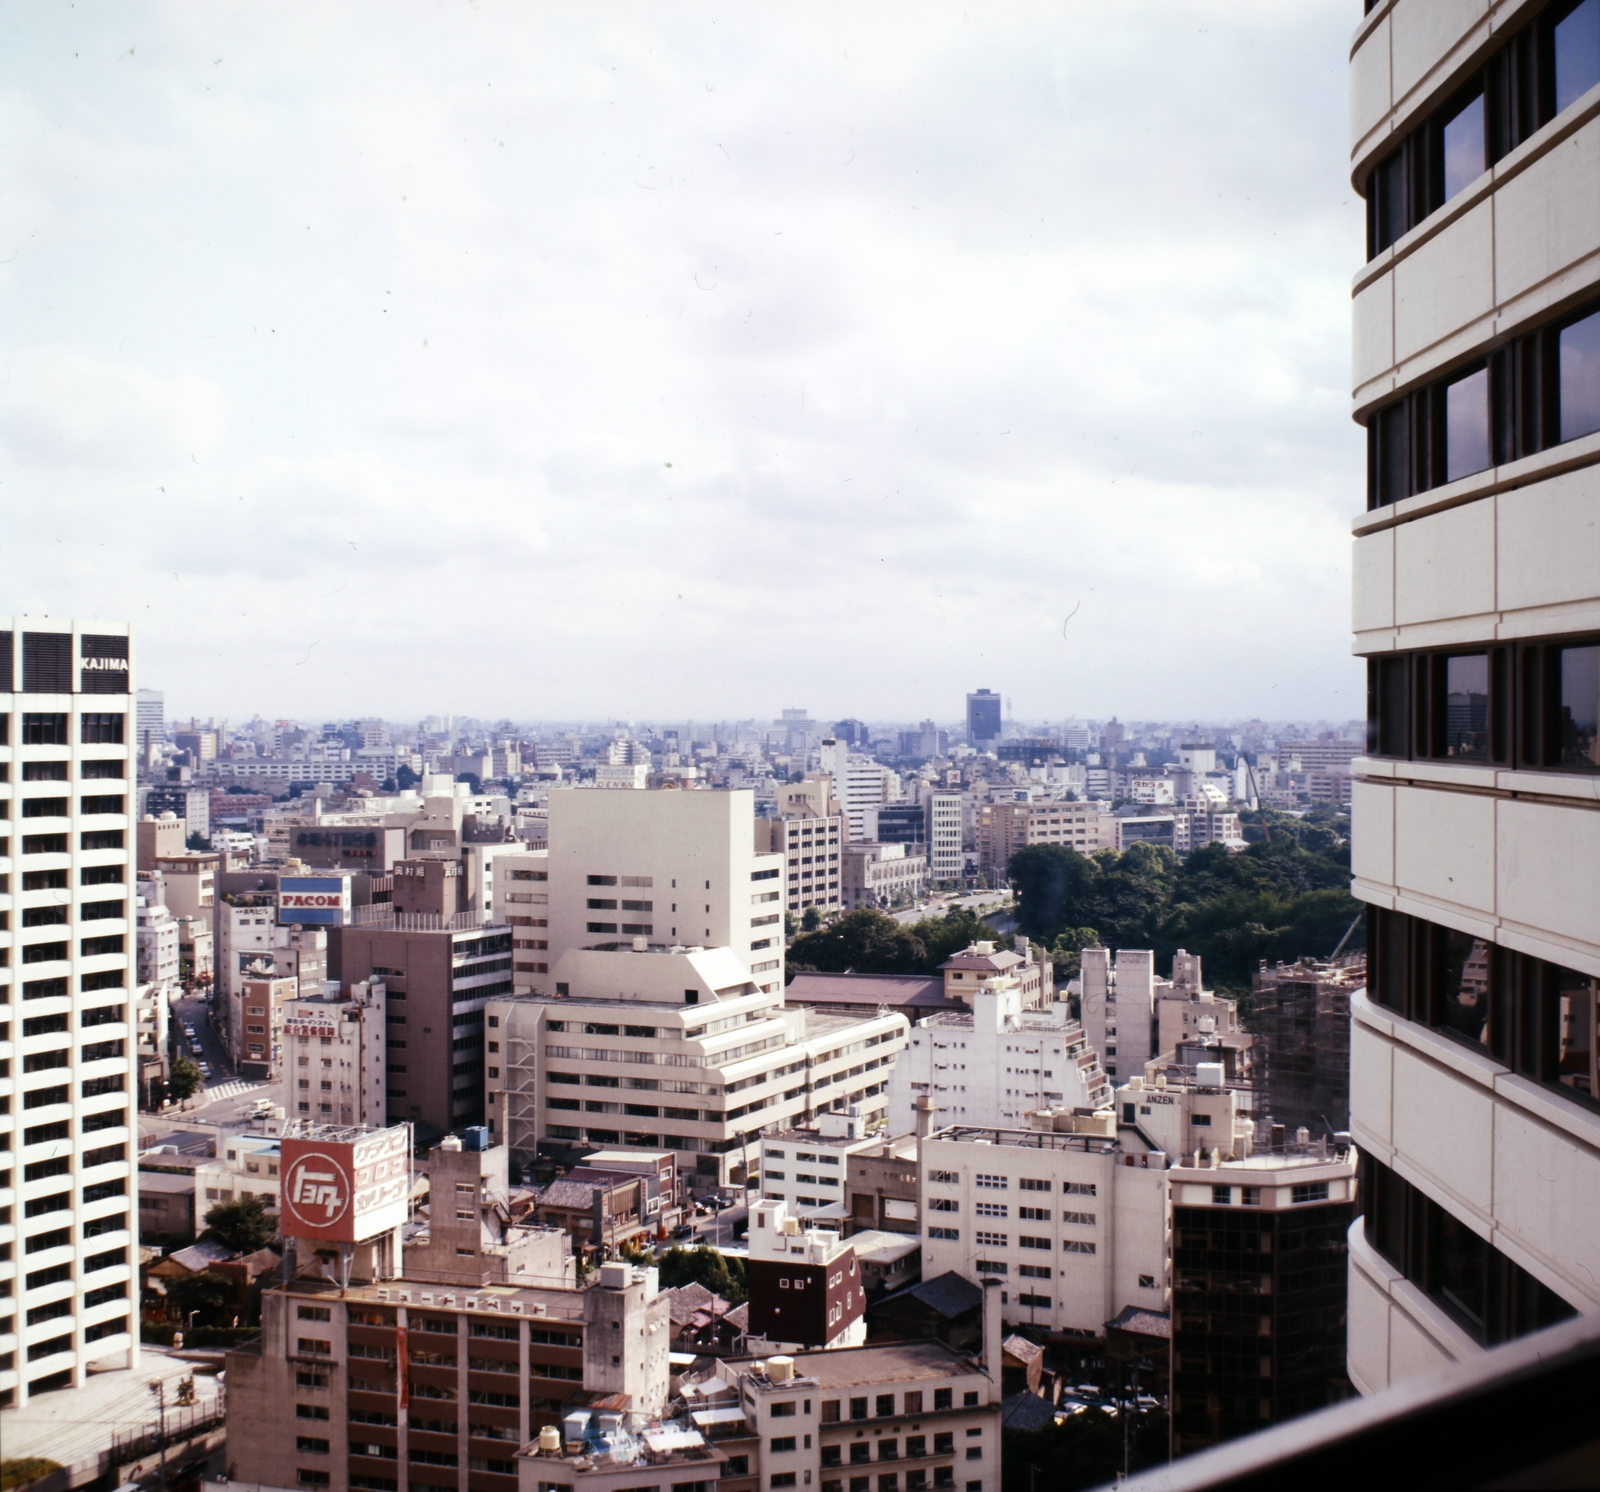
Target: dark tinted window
pixel 1394 453
pixel 1580 704
pixel 1466 439
pixel 1464 986
pixel 1576 1061
pixel 1467 707
pixel 1577 52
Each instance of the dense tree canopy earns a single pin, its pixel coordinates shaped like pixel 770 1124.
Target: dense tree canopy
pixel 704 1265
pixel 1282 899
pixel 243 1224
pixel 869 942
pixel 183 1079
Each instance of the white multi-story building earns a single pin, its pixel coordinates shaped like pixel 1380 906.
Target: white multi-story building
pixel 675 867
pixel 677 1049
pixel 943 817
pixel 860 783
pixel 334 1056
pixel 68 1076
pixel 1132 1016
pixel 155 933
pixel 995 1064
pixel 1075 1227
pixel 807 1169
pixel 811 843
pixel 1477 606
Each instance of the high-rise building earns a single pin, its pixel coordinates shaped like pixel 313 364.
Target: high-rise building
pixel 942 834
pixel 671 866
pixel 68 1290
pixel 1477 606
pixel 983 717
pixel 150 725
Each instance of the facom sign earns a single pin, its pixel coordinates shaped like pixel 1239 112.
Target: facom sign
pixel 345 1191
pixel 324 900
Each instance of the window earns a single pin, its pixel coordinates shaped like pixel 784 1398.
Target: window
pixel 1025 1241
pixel 997 1183
pixel 889 1450
pixel 1078 1188
pixel 948 1235
pixel 1032 1184
pixel 1541 69
pixel 1041 1301
pixel 991 1209
pixel 885 1406
pixel 858 1408
pixel 783 1443
pixel 44 730
pixel 783 1411
pixel 101 729
pixel 1308 1191
pixel 1535 1017
pixel 969 1400
pixel 990 1266
pixel 830 1411
pixel 1221 1196
pixel 1493 1298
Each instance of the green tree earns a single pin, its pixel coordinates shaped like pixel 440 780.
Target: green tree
pixel 184 1079
pixel 1052 883
pixel 197 841
pixel 209 1293
pixel 810 919
pixel 405 778
pixel 704 1265
pixel 958 928
pixel 244 1224
pixel 866 942
pixel 1084 1451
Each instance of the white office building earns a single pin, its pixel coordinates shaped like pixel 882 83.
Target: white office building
pixel 68 1235
pixel 994 1063
pixel 1477 607
pixel 1074 1227
pixel 861 784
pixel 675 867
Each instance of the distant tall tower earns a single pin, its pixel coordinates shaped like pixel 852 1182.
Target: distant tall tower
pixel 983 717
pixel 150 724
pixel 68 1289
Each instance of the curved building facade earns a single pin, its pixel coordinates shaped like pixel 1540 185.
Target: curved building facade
pixel 1476 376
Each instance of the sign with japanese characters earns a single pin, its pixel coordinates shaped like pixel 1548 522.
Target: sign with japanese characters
pixel 345 1191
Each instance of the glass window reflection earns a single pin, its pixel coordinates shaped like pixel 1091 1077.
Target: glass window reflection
pixel 1577 49
pixel 1466 708
pixel 1577 1032
pixel 1465 992
pixel 1466 441
pixel 1580 377
pixel 1463 148
pixel 1580 704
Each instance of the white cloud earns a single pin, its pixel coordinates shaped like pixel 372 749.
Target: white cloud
pixel 566 362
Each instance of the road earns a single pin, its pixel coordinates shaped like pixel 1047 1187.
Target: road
pixel 976 900
pixel 225 1099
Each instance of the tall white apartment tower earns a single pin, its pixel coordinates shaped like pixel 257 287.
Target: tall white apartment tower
pixel 68 1294
pixel 1477 607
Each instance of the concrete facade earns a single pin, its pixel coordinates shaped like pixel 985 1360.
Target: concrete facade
pixel 1485 854
pixel 68 1287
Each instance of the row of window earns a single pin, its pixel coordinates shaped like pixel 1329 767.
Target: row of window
pixel 59 771
pixel 1484 1291
pixel 888 1450
pixel 1533 1016
pixel 1542 69
pixel 1538 391
pixel 944 1480
pixel 52 728
pixel 1526 704
pixel 882 1406
pixel 51 808
pixel 61 844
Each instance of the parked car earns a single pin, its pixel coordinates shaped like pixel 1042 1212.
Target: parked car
pixel 205 1070
pixel 683 1230
pixel 197 1049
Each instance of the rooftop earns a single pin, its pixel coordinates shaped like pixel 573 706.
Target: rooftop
pixel 1027 1139
pixel 535 1302
pixel 899 1362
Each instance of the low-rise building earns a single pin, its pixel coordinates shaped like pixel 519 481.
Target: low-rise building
pixel 993 1064
pixel 1072 1225
pixel 883 875
pixel 805 1285
pixel 673 1048
pixel 1259 1287
pixel 914 1415
pixel 807 1168
pixel 883 1186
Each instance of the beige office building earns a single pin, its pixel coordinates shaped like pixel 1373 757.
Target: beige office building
pixel 1477 607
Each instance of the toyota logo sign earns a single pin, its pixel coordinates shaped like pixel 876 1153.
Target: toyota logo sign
pixel 317 1191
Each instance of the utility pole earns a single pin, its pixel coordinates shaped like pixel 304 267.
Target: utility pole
pixel 159 1389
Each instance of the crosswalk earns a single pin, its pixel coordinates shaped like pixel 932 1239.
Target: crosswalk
pixel 233 1089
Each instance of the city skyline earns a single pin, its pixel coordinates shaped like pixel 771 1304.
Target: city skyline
pixel 613 365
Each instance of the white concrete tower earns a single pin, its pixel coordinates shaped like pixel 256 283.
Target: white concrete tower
pixel 68 1089
pixel 1477 606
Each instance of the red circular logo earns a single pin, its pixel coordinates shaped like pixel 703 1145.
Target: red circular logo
pixel 317 1190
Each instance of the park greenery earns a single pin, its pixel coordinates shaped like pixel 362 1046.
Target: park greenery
pixel 868 942
pixel 1284 898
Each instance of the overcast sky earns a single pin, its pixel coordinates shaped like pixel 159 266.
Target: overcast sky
pixel 616 360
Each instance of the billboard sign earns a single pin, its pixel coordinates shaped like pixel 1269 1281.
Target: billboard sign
pixel 323 900
pixel 347 1190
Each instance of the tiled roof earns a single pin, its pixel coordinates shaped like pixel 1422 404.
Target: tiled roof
pixel 1144 1323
